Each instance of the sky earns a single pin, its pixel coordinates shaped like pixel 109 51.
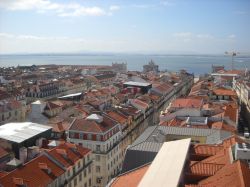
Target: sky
pixel 124 26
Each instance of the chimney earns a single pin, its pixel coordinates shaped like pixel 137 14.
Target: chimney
pixel 60 126
pixel 61 152
pixel 44 167
pixel 18 181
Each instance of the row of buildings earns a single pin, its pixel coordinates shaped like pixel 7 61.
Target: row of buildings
pixel 99 118
pixel 196 143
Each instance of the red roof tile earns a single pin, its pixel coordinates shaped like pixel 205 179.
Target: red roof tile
pixel 118 117
pixel 236 174
pixel 222 126
pixel 92 126
pixel 187 103
pixel 131 178
pixel 207 150
pixel 32 175
pixel 223 91
pixel 65 155
pixel 205 169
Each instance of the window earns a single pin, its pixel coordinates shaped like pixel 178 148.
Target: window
pixel 75 181
pixel 71 135
pixel 89 168
pixel 85 184
pixel 87 157
pixel 15 113
pixel 97 157
pixel 98 180
pixel 80 177
pixel 98 169
pixel 98 137
pixel 68 173
pixel 85 173
pixel 98 148
pixel 89 182
pixel 79 164
pixel 89 136
pixel 80 135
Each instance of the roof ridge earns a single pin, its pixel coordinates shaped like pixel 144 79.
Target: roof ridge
pixel 156 126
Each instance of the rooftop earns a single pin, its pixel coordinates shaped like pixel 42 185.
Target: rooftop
pixel 19 132
pixel 163 166
pixel 187 103
pixel 133 83
pixel 131 178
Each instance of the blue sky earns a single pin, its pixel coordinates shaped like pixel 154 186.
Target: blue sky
pixel 155 26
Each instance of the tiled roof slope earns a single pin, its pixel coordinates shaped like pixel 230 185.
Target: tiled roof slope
pixel 236 174
pixel 72 151
pixel 92 126
pixel 32 175
pixel 130 178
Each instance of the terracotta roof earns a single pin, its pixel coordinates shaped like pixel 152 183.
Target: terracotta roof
pixel 222 157
pixel 72 152
pixel 2 174
pixel 187 103
pixel 222 126
pixel 208 150
pixel 51 106
pixel 92 126
pixel 60 127
pixel 205 169
pixel 3 153
pixel 236 174
pixel 154 97
pixel 231 112
pixel 232 140
pixel 118 117
pixel 235 71
pixel 31 174
pixel 130 178
pixel 173 122
pixel 140 103
pixel 223 91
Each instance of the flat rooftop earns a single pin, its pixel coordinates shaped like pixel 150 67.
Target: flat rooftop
pixel 167 167
pixel 19 132
pixel 133 83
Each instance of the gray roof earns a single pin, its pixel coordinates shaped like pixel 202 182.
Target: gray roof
pixel 18 132
pixel 144 136
pixel 147 145
pixel 158 134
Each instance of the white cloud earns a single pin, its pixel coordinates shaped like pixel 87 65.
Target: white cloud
pixel 232 36
pixel 182 34
pixel 6 35
pixel 114 8
pixel 143 6
pixel 60 9
pixel 83 11
pixel 166 3
pixel 204 36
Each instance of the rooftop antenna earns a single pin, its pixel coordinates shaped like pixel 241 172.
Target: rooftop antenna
pixel 232 53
